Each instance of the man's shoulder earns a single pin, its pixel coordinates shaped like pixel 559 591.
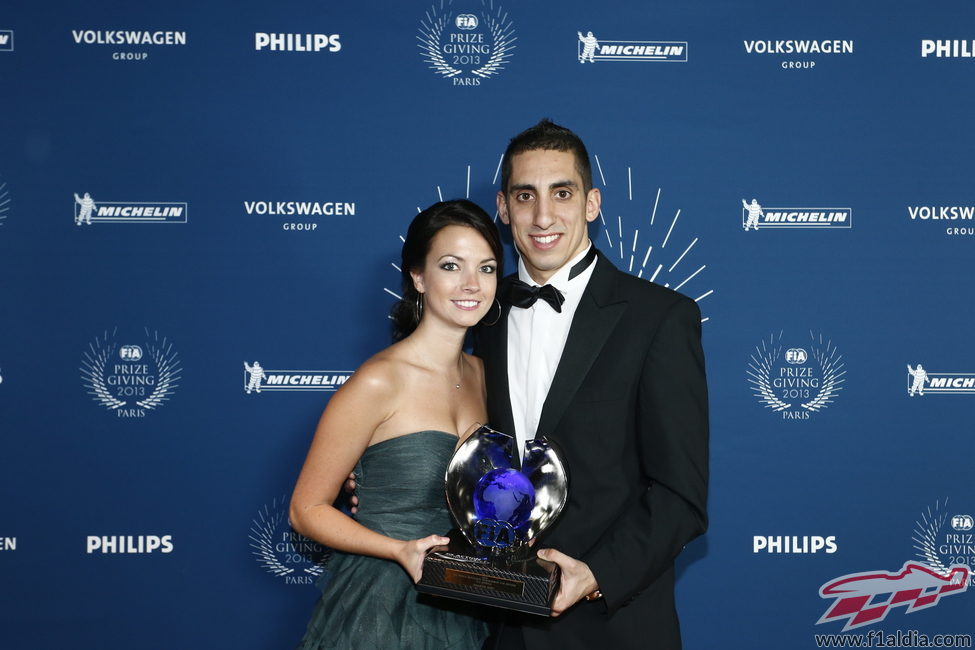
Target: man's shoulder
pixel 645 294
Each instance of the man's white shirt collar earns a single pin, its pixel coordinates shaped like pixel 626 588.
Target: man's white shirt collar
pixel 561 279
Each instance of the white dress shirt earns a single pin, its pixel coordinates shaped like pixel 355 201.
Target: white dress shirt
pixel 536 338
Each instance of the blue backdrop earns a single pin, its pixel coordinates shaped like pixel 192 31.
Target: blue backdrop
pixel 144 487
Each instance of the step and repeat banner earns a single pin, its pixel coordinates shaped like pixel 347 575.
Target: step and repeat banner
pixel 201 209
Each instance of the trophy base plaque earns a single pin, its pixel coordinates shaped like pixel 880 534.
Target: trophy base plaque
pixel 524 584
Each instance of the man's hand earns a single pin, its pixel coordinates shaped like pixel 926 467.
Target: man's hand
pixel 350 490
pixel 577 580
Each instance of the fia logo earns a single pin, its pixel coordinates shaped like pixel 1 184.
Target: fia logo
pixel 935 543
pixel 492 533
pixel 130 379
pixel 962 522
pixel 283 552
pixel 466 22
pixel 466 41
pixel 796 356
pixel 800 386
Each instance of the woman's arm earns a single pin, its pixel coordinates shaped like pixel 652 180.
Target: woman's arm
pixel 344 431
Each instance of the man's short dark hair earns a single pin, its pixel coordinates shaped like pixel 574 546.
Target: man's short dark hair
pixel 547 136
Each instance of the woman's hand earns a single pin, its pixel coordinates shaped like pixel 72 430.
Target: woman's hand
pixel 410 555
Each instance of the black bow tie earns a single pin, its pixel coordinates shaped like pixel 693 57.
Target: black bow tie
pixel 521 294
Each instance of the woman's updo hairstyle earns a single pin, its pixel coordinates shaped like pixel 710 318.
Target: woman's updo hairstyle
pixel 425 226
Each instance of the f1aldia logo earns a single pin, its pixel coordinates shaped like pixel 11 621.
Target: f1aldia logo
pixel 130 376
pixel 867 598
pixel 466 40
pixel 795 381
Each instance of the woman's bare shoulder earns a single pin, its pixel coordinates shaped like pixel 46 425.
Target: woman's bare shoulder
pixel 381 373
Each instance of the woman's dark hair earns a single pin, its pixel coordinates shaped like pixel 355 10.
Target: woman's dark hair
pixel 426 225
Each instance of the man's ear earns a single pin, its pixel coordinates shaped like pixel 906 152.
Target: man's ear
pixel 503 209
pixel 594 199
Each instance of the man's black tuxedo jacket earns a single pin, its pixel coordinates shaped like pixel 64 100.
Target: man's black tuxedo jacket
pixel 628 409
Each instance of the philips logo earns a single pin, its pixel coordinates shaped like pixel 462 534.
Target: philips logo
pixel 297 42
pixel 129 544
pixel 784 544
pixel 950 49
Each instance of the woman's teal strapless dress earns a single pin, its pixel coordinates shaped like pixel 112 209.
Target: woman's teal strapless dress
pixel 371 603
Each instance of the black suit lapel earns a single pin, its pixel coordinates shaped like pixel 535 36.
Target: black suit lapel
pixel 495 355
pixel 597 315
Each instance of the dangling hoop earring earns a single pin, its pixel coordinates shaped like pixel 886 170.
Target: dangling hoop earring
pixel 418 307
pixel 494 322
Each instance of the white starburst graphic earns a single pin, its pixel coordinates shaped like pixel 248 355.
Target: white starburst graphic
pixel 4 201
pixel 649 257
pixel 628 253
pixel 926 530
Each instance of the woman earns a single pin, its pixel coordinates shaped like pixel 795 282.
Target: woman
pixel 397 422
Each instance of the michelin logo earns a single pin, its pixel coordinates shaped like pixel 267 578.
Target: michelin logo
pixel 754 216
pixel 591 49
pixel 945 383
pixel 88 211
pixel 258 379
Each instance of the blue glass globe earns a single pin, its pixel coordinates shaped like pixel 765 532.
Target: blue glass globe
pixel 505 495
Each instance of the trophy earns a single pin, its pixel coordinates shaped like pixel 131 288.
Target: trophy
pixel 498 511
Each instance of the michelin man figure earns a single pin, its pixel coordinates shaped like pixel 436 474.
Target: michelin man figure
pixel 754 212
pixel 87 205
pixel 920 376
pixel 256 375
pixel 589 45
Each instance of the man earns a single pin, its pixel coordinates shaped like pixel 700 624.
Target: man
pixel 613 372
